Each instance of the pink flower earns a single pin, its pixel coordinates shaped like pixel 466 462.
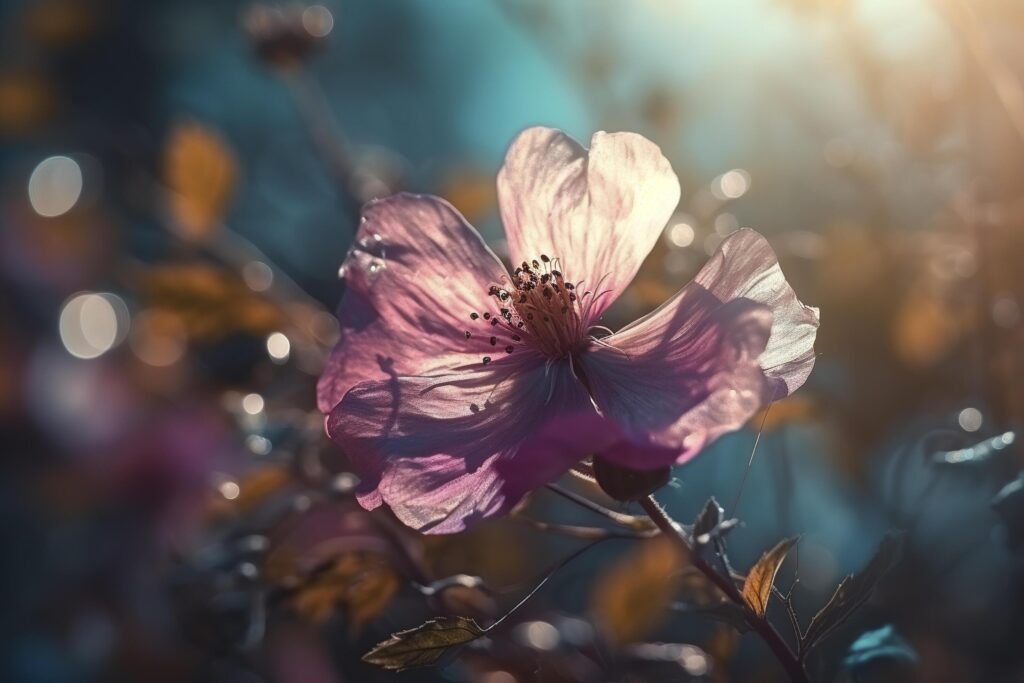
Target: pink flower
pixel 458 387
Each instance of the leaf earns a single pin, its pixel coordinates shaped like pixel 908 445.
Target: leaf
pixel 758 586
pixel 423 645
pixel 632 598
pixel 882 646
pixel 199 170
pixel 709 518
pixel 710 525
pixel 360 582
pixel 852 592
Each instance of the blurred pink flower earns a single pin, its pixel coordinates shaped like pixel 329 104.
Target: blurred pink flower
pixel 457 387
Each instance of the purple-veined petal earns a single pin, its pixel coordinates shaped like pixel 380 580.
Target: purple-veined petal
pixel 415 274
pixel 429 447
pixel 706 360
pixel 598 211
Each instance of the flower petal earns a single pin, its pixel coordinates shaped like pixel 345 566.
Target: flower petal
pixel 701 364
pixel 600 212
pixel 430 446
pixel 416 272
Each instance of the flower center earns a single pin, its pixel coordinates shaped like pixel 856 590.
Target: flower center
pixel 537 307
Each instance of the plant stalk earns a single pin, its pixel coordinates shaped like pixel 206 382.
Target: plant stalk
pixel 760 625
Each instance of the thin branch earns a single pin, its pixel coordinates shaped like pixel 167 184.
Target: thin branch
pixel 760 625
pixel 629 521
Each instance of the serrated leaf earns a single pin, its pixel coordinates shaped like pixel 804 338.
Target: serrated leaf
pixel 758 586
pixel 852 592
pixel 423 645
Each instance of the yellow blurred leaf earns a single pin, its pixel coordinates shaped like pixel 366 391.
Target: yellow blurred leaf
pixel 925 329
pixel 473 193
pixel 362 583
pixel 790 410
pixel 634 596
pixel 200 172
pixel 210 302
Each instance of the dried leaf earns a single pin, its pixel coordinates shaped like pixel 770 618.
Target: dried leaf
pixel 710 524
pixel 852 592
pixel 633 597
pixel 200 171
pixel 758 586
pixel 423 645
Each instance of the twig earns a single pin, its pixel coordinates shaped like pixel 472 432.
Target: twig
pixel 760 625
pixel 628 521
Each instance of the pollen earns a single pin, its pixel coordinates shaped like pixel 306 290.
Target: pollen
pixel 536 307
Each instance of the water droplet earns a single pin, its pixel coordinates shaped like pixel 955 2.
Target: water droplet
pixel 377 237
pixel 343 270
pixel 376 265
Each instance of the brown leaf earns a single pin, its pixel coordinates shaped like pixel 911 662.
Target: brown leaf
pixel 209 302
pixel 200 171
pixel 423 645
pixel 758 586
pixel 363 584
pixel 634 596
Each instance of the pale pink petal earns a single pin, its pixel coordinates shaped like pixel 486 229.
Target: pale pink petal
pixel 430 445
pixel 416 272
pixel 745 267
pixel 706 360
pixel 599 212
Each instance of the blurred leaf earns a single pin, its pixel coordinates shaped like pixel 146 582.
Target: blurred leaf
pixel 27 101
pixel 423 645
pixel 710 525
pixel 794 409
pixel 758 586
pixel 926 328
pixel 852 592
pixel 210 302
pixel 726 612
pixel 200 172
pixel 632 597
pixel 880 646
pixel 362 583
pixel 472 192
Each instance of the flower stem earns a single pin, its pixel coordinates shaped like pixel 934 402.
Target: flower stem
pixel 760 625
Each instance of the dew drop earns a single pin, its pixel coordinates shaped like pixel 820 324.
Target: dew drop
pixel 376 265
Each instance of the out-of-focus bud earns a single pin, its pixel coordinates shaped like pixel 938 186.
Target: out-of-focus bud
pixel 624 484
pixel 286 36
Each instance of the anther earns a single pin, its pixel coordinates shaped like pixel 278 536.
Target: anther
pixel 487 316
pixel 516 337
pixel 535 264
pixel 494 341
pixel 494 321
pixel 473 316
pixel 487 359
pixel 509 349
pixel 468 335
pixel 544 258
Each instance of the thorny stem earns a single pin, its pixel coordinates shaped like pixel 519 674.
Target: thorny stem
pixel 760 625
